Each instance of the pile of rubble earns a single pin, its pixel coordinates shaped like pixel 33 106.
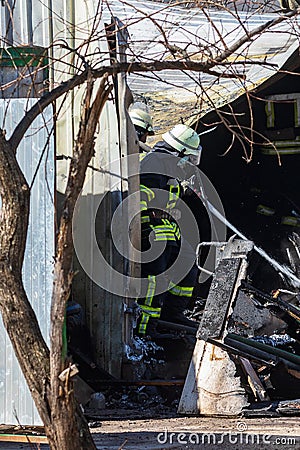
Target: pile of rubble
pixel 247 356
pixel 244 357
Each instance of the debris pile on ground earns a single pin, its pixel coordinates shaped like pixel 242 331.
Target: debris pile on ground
pixel 265 328
pixel 137 402
pixel 241 333
pixel 141 398
pixel 248 345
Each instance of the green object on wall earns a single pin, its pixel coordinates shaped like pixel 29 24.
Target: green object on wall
pixel 23 56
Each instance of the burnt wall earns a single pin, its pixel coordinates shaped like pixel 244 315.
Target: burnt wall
pixel 265 181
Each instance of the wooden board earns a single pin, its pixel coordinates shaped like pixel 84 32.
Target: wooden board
pixel 219 298
pixel 212 386
pixel 23 438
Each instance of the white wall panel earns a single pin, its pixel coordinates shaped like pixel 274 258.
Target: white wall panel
pixel 36 158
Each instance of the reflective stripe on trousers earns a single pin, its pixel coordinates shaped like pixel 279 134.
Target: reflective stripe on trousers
pixel 147 309
pixel 147 313
pixel 180 291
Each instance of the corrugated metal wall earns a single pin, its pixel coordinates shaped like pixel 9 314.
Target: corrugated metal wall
pixel 190 28
pixel 37 160
pixel 36 157
pixel 104 312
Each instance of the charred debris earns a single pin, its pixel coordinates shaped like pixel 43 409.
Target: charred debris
pixel 247 336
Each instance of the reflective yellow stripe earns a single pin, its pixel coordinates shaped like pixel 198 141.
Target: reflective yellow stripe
pixel 181 291
pixel 143 205
pixel 145 219
pixel 166 232
pixel 143 324
pixel 167 226
pixel 165 237
pixel 265 210
pixel 290 220
pixel 148 312
pixel 176 230
pixel 153 312
pixel 142 155
pixel 161 235
pixel 173 196
pixel 150 290
pixel 150 194
pixel 162 228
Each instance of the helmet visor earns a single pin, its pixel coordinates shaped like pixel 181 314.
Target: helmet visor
pixel 194 158
pixel 150 130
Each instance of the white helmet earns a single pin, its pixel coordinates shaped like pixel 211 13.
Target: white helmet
pixel 140 116
pixel 183 139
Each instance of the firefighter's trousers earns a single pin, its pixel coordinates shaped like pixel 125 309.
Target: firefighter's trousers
pixel 166 297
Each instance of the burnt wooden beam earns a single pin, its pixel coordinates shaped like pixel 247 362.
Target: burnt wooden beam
pixel 223 290
pixel 211 386
pixel 218 301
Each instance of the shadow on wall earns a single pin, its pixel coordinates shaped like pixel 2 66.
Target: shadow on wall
pixel 102 311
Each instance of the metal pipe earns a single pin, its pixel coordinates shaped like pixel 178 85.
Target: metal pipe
pixel 237 352
pixel 263 351
pixel 178 326
pixel 29 22
pixel 51 52
pixel 9 37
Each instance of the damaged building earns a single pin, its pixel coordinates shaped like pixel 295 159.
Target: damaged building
pixel 257 183
pixel 261 197
pixel 250 155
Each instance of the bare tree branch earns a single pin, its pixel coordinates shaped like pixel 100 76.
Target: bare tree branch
pixel 248 36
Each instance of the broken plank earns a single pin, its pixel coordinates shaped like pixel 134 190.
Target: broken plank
pixel 212 386
pixel 223 291
pixel 253 380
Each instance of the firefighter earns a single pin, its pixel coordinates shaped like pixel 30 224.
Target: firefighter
pixel 165 169
pixel 143 124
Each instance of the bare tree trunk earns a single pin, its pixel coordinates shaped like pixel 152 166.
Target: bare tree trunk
pixel 62 397
pixel 64 422
pixel 18 316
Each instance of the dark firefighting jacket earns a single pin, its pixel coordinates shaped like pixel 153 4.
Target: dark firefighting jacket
pixel 160 190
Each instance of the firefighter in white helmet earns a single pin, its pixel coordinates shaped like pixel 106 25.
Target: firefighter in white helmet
pixel 164 169
pixel 142 120
pixel 185 141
